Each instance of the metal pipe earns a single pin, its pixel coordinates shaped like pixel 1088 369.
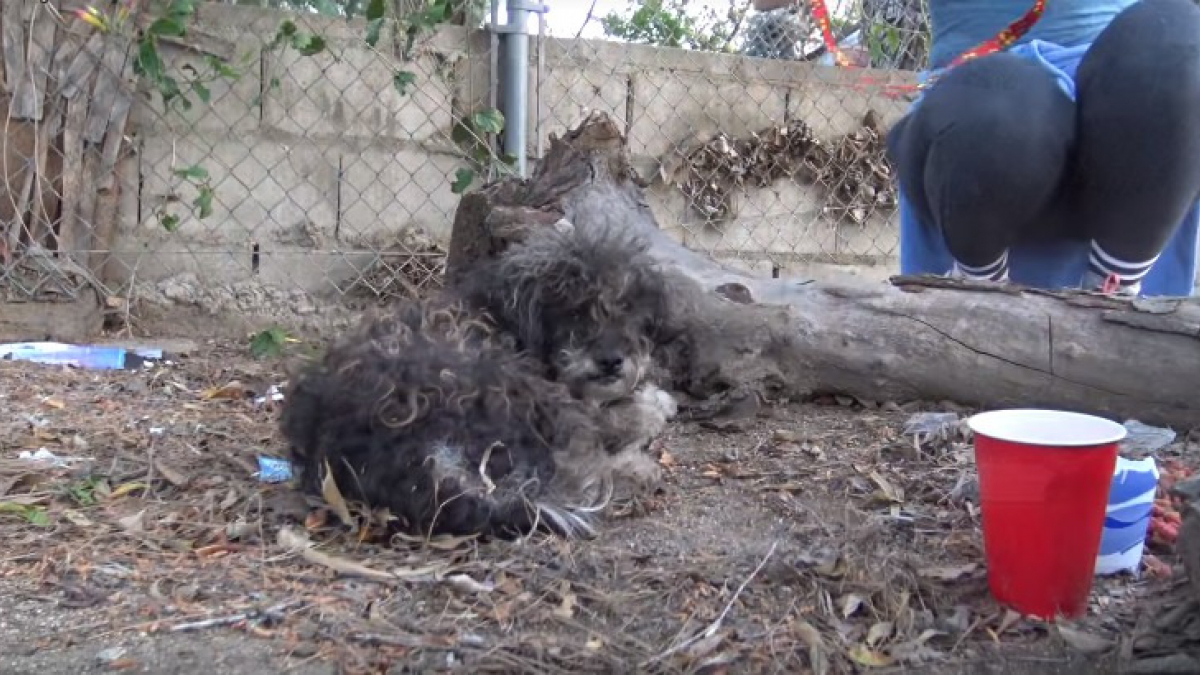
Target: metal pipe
pixel 515 87
pixel 493 62
pixel 541 64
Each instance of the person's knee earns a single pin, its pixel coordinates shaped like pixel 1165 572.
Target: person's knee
pixel 999 109
pixel 998 135
pixel 1149 43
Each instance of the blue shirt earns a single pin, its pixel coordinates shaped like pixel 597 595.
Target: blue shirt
pixel 959 25
pixel 1053 265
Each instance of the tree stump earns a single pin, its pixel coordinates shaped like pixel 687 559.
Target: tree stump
pixel 911 339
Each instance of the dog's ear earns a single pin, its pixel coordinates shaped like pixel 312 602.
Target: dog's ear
pixel 516 288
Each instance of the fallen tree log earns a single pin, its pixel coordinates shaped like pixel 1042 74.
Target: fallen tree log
pixel 922 338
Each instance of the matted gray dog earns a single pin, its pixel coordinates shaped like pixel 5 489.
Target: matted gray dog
pixel 511 402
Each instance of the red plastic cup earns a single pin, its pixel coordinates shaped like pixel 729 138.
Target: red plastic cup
pixel 1044 479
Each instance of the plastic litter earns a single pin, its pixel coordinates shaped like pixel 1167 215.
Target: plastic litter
pixel 930 423
pixel 1144 439
pixel 97 357
pixel 43 455
pixel 1130 507
pixel 275 393
pixel 274 469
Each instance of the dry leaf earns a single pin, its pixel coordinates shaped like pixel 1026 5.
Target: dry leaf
pixel 125 488
pixel 916 650
pixel 566 608
pixel 785 436
pixel 1010 619
pixel 298 543
pixel 667 459
pixel 817 659
pixel 135 523
pixel 879 632
pixel 78 519
pixel 1084 642
pixel 170 473
pixel 953 573
pixel 886 489
pixel 333 497
pixel 54 402
pixel 851 604
pixel 232 390
pixel 594 644
pixel 449 543
pixel 46 436
pixel 865 656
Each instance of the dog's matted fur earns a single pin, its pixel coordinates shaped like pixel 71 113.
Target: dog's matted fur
pixel 507 403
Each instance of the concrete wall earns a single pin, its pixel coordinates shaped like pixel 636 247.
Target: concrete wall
pixel 318 161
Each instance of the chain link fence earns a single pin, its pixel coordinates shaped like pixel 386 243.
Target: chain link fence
pixel 266 160
pixel 756 150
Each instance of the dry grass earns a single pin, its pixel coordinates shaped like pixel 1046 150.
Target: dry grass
pixel 806 538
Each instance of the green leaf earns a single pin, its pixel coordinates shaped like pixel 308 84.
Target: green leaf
pixel 462 134
pixel 204 201
pixel 169 222
pixel 308 44
pixel 221 68
pixel 202 92
pixel 193 172
pixel 148 62
pixel 182 9
pixel 490 121
pixel 402 80
pixel 38 517
pixel 462 180
pixel 374 28
pixel 34 515
pixel 268 343
pixel 482 153
pixel 375 9
pixel 510 160
pixel 166 26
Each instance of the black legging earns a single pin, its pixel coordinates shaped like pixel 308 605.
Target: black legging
pixel 997 153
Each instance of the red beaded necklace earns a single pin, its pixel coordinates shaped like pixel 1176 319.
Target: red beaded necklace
pixel 1003 40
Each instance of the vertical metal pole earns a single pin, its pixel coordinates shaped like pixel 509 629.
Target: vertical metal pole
pixel 539 152
pixel 494 60
pixel 516 82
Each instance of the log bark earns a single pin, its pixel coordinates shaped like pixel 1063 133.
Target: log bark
pixel 922 338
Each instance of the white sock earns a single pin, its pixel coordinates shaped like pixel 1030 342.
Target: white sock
pixel 993 271
pixel 1126 276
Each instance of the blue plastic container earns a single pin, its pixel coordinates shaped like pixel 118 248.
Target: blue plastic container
pixel 1130 507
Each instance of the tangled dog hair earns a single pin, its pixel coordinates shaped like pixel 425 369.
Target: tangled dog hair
pixel 511 402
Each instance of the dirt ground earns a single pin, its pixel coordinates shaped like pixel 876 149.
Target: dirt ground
pixel 798 538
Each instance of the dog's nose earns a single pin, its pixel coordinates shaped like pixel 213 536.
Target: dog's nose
pixel 610 363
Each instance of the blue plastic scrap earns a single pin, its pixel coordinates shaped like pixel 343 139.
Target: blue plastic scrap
pixel 97 357
pixel 274 469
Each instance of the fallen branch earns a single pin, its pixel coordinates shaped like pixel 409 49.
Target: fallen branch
pixel 271 615
pixel 913 339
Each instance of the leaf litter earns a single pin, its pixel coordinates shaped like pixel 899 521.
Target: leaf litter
pixel 817 538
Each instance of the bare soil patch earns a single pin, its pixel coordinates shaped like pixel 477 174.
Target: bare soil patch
pixel 799 538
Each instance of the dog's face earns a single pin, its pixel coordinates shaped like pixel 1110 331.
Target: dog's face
pixel 589 303
pixel 599 343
